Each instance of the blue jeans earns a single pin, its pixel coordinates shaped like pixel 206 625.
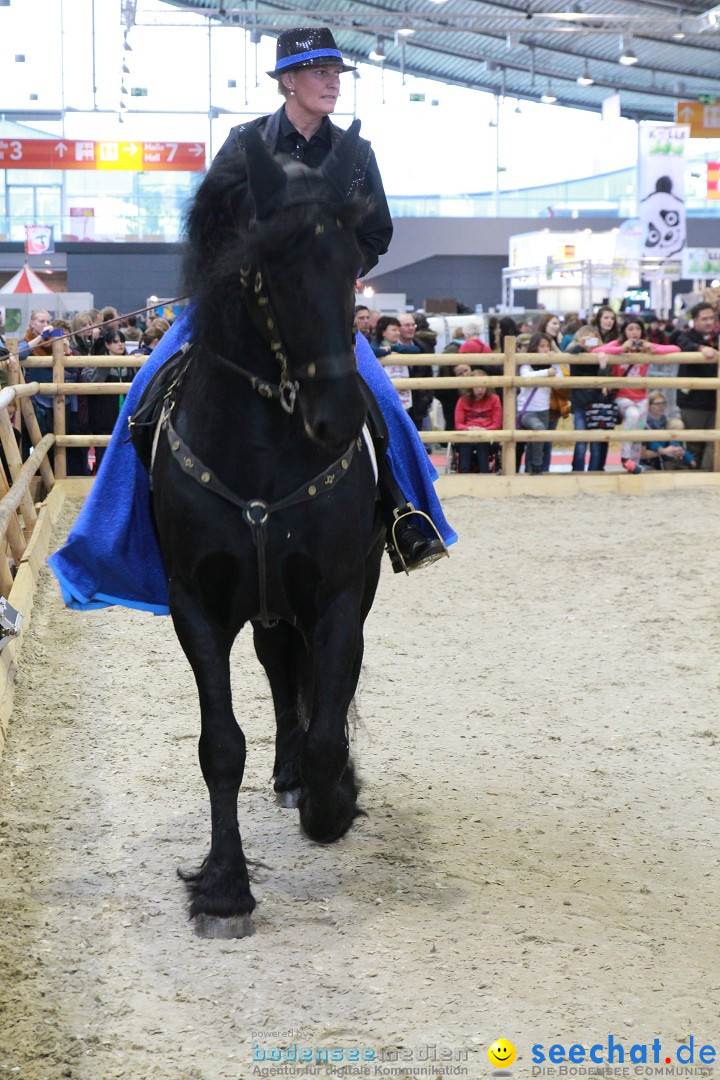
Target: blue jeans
pixel 534 421
pixel 598 451
pixel 547 447
pixel 465 455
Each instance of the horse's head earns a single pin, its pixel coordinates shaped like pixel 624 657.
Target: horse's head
pixel 305 260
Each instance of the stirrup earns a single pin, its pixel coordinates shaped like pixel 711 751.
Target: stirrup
pixel 396 555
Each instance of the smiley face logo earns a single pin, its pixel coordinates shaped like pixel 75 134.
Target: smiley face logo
pixel 501 1054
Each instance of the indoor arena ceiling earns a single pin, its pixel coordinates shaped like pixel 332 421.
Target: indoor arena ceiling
pixel 524 49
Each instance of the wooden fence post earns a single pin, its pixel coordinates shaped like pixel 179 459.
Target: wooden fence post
pixel 60 464
pixel 716 452
pixel 509 467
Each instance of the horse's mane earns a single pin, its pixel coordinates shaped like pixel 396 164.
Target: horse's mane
pixel 219 242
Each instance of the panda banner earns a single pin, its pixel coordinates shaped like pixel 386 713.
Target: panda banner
pixel 661 189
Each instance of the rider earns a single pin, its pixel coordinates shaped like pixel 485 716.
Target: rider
pixel 307 69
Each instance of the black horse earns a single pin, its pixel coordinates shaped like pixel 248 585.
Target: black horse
pixel 264 493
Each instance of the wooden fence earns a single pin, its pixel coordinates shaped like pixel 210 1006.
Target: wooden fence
pixel 510 382
pixel 25 532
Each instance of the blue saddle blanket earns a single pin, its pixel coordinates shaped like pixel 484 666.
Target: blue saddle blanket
pixel 111 555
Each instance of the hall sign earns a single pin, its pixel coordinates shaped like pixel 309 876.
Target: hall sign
pixel 85 154
pixel 704 119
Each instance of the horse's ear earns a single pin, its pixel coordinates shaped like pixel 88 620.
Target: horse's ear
pixel 340 166
pixel 267 179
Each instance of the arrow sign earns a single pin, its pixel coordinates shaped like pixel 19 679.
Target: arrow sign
pixel 704 119
pixel 86 154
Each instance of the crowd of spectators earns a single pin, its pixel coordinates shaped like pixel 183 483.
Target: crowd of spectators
pixel 625 346
pixel 88 334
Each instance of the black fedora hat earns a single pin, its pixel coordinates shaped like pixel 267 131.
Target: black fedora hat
pixel 304 46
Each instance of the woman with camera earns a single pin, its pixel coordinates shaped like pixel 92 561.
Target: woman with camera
pixel 632 401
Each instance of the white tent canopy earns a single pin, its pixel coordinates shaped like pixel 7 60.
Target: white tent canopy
pixel 26 281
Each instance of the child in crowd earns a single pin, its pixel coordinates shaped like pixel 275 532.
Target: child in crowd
pixel 477 407
pixel 533 402
pixel 672 454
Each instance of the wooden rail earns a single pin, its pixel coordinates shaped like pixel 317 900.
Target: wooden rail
pixel 510 382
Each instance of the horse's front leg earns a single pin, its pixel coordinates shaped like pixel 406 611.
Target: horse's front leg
pixel 221 901
pixel 328 800
pixel 280 649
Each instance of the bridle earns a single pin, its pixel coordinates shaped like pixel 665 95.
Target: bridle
pixel 259 305
pixel 256 512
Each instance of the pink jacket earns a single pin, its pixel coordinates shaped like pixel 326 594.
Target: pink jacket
pixel 614 348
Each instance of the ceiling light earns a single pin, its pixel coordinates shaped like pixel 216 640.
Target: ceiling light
pixel 127 46
pixel 377 55
pixel 125 69
pixel 403 35
pixel 548 98
pixel 255 37
pixel 20 58
pixel 123 105
pixel 123 89
pixel 679 35
pixel 586 78
pixel 627 57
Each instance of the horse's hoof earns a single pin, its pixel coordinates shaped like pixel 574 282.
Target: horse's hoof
pixel 290 800
pixel 212 926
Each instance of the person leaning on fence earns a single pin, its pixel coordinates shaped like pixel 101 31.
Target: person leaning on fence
pixel 38 342
pixel 698 407
pixel 477 407
pixel 667 454
pixel 533 402
pixel 585 340
pixel 632 400
pixel 103 409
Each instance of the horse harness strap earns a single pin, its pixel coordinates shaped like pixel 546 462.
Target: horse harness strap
pixel 256 512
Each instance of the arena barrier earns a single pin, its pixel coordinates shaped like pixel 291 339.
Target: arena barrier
pixel 510 434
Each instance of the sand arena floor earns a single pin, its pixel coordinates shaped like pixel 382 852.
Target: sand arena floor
pixel 537 740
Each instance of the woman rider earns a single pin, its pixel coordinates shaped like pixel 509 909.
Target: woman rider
pixel 307 69
pixel 111 555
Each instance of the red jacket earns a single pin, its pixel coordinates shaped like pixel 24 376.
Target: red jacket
pixel 484 412
pixel 474 345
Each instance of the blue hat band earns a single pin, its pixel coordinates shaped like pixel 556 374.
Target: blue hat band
pixel 315 54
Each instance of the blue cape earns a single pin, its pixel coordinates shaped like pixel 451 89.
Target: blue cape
pixel 112 556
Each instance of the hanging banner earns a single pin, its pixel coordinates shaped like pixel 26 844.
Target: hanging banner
pixel 628 249
pixel 713 179
pixel 661 188
pixel 701 262
pixel 39 239
pixel 82 221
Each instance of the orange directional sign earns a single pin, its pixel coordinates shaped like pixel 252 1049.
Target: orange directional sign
pixel 86 154
pixel 704 120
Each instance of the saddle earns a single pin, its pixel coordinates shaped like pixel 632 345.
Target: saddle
pixel 143 423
